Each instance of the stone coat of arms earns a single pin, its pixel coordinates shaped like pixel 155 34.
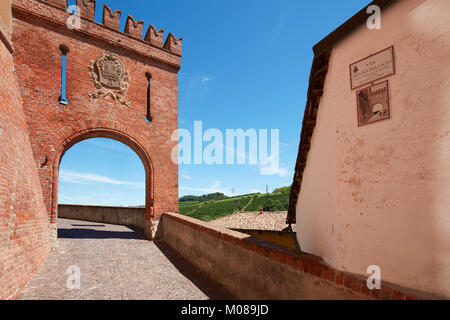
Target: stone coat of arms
pixel 110 78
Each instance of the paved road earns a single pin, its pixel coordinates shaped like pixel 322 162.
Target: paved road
pixel 117 263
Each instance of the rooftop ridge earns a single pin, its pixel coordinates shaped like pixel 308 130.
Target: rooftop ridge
pixel 110 19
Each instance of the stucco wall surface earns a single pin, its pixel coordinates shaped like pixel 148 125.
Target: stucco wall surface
pixel 379 194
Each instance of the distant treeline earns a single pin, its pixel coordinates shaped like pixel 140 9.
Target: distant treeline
pixel 221 196
pixel 204 198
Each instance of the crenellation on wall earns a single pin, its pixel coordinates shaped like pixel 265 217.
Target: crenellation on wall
pixel 87 8
pixel 173 44
pixel 134 28
pixel 155 37
pixel 111 19
pixel 56 16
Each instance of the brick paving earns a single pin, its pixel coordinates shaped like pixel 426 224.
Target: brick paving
pixel 117 263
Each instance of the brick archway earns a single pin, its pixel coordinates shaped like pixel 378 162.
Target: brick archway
pixel 64 104
pixel 83 130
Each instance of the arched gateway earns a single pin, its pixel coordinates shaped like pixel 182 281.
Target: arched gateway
pixel 80 79
pixel 121 134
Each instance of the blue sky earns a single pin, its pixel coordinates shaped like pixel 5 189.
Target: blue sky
pixel 245 65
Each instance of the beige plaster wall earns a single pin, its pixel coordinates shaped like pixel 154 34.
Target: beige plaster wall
pixel 380 194
pixel 317 201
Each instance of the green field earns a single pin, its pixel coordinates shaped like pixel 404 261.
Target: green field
pixel 280 201
pixel 214 209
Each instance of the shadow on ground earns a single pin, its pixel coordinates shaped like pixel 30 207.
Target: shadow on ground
pixel 207 285
pixel 79 233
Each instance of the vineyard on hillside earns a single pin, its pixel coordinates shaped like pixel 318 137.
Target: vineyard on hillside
pixel 214 209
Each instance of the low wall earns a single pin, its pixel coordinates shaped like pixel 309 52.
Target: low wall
pixel 252 268
pixel 133 217
pixel 281 238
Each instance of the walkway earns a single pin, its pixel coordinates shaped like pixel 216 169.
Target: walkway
pixel 117 263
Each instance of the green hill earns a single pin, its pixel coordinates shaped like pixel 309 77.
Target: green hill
pixel 213 209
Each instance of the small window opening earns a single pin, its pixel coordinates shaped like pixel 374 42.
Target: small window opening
pixel 64 51
pixel 148 117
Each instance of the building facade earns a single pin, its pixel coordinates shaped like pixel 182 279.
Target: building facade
pixel 372 179
pixel 66 78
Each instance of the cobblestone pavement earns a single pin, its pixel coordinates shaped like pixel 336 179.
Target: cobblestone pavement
pixel 117 263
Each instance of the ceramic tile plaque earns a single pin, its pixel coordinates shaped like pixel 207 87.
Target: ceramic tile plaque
pixel 373 103
pixel 372 68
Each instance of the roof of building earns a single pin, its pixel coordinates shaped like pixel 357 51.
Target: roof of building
pixel 267 221
pixel 319 69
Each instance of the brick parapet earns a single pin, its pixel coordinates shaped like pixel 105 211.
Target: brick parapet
pixel 302 262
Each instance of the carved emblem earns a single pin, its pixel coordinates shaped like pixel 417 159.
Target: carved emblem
pixel 110 78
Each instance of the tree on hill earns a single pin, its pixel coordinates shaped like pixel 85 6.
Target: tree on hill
pixel 282 190
pixel 269 206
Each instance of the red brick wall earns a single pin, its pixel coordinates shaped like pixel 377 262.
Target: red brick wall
pixel 38 31
pixel 24 233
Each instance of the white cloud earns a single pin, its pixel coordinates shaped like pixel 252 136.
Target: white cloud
pixel 87 178
pixel 187 177
pixel 275 170
pixel 206 79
